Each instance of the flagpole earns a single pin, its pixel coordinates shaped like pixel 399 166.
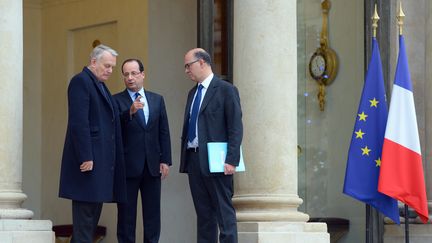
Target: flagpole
pixel 369 216
pixel 406 224
pixel 400 18
pixel 368 223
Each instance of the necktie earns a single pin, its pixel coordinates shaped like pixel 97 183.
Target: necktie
pixel 194 115
pixel 140 112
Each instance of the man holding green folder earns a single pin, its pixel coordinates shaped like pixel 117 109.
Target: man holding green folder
pixel 213 114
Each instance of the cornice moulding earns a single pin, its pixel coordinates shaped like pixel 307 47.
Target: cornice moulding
pixel 35 4
pixel 51 3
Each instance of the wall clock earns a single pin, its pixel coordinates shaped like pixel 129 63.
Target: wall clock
pixel 323 65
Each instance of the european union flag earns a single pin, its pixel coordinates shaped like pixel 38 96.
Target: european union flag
pixel 364 155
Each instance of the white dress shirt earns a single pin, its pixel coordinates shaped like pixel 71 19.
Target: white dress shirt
pixel 205 84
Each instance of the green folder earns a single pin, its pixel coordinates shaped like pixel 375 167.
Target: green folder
pixel 216 157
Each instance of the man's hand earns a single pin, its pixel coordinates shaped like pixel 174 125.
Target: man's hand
pixel 136 105
pixel 229 169
pixel 86 166
pixel 164 170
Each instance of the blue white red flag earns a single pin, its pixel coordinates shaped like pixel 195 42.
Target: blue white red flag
pixel 401 175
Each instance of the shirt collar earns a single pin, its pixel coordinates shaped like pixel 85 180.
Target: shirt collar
pixel 132 93
pixel 206 82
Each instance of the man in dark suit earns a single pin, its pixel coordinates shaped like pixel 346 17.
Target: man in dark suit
pixel 92 170
pixel 147 152
pixel 213 114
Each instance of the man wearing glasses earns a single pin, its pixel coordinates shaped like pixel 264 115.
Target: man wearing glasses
pixel 213 114
pixel 147 152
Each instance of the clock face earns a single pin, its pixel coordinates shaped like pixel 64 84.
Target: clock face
pixel 317 66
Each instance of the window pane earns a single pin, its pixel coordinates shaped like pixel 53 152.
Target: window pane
pixel 220 37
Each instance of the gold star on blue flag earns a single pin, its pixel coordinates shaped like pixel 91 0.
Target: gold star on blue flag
pixel 363 165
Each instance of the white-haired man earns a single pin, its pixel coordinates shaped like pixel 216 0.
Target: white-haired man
pixel 92 170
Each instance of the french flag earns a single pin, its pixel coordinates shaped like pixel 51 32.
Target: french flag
pixel 401 175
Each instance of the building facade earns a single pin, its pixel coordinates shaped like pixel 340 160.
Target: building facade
pixel 295 153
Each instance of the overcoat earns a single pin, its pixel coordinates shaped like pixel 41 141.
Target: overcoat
pixel 93 133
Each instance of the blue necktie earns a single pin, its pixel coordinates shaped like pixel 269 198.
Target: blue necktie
pixel 140 112
pixel 194 115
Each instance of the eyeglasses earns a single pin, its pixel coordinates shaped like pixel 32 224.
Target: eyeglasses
pixel 187 65
pixel 133 73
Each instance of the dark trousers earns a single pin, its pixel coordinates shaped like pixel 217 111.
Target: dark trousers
pixel 150 188
pixel 213 205
pixel 85 216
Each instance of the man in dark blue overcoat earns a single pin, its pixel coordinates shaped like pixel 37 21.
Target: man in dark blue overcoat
pixel 92 170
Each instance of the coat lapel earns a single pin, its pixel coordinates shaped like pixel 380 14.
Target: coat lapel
pixel 99 88
pixel 126 98
pixel 209 94
pixel 188 105
pixel 151 107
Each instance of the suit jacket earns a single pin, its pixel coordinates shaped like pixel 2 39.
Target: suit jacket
pixel 219 120
pixel 142 143
pixel 93 133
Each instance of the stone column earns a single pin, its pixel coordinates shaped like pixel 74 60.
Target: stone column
pixel 14 224
pixel 11 112
pixel 265 71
